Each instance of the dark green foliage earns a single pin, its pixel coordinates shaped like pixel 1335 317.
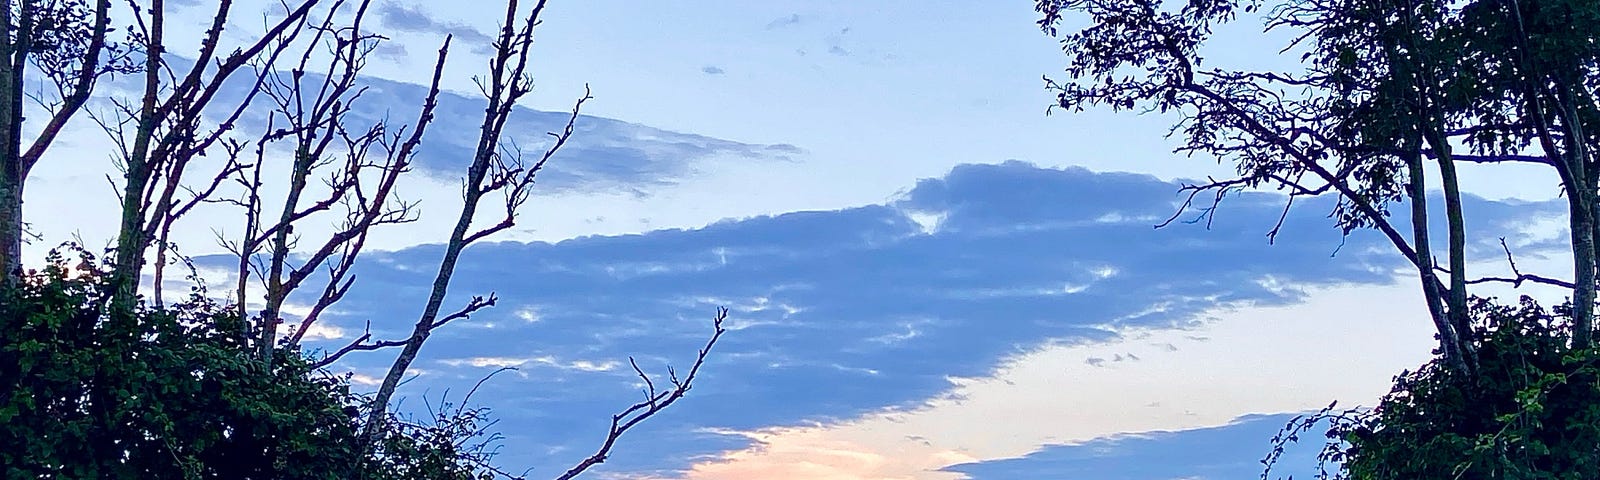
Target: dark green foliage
pixel 1382 91
pixel 1530 412
pixel 1378 81
pixel 176 393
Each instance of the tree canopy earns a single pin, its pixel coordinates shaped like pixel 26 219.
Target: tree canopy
pixel 1383 96
pixel 176 393
pixel 1382 90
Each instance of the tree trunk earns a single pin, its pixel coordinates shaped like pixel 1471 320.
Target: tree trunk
pixel 430 312
pixel 14 50
pixel 1449 338
pixel 1458 310
pixel 1578 150
pixel 1581 207
pixel 1583 226
pixel 131 238
pixel 272 313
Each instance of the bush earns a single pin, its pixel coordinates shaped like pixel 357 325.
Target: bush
pixel 175 392
pixel 1530 410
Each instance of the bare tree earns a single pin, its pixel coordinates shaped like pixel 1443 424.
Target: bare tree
pixel 170 128
pixel 188 143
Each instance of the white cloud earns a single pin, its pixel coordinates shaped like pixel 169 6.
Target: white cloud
pixel 321 330
pixel 365 380
pixel 588 366
pixel 1104 271
pixel 529 313
pixel 549 361
pixel 488 361
pixel 909 331
pixel 928 221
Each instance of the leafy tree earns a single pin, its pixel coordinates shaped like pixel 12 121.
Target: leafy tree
pixel 1384 86
pixel 178 393
pixel 67 41
pixel 1383 90
pixel 1526 415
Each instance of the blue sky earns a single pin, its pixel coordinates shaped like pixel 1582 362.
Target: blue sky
pixel 928 277
pixel 1212 452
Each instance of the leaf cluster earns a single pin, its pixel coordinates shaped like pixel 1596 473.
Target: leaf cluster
pixel 177 393
pixel 1527 413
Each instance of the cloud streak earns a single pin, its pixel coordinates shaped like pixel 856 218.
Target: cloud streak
pixel 784 21
pixel 410 19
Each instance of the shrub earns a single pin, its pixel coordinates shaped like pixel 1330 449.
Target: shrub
pixel 175 392
pixel 1530 411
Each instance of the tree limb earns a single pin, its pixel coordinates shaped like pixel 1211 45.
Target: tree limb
pixel 654 402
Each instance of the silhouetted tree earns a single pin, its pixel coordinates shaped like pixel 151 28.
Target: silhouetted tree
pixel 1383 87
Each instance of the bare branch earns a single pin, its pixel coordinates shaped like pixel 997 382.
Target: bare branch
pixel 89 70
pixel 1518 278
pixel 1539 159
pixel 520 180
pixel 361 343
pixel 654 402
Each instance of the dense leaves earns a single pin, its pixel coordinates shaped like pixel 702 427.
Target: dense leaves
pixel 1368 83
pixel 1367 97
pixel 1371 96
pixel 176 393
pixel 1528 413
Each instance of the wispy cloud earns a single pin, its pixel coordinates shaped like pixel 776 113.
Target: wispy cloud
pixel 411 19
pixel 528 314
pixel 784 21
pixel 547 361
pixel 391 51
pixel 365 380
pixel 605 155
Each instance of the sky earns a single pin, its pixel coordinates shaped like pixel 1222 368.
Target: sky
pixel 929 278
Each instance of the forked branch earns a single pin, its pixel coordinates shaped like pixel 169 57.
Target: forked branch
pixel 654 402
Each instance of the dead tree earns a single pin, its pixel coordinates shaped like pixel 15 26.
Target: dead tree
pixel 170 128
pixel 186 143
